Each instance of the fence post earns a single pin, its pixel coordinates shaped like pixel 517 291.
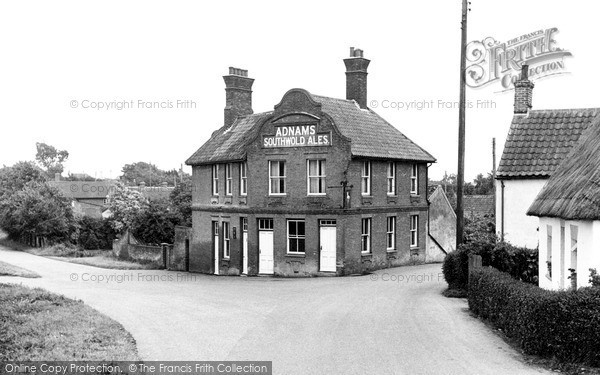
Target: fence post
pixel 164 254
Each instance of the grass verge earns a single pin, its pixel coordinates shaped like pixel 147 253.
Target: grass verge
pixel 38 325
pixel 7 269
pixel 455 293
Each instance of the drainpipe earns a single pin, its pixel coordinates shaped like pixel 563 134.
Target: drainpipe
pixel 502 211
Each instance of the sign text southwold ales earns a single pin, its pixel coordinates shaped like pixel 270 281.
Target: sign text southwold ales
pixel 297 136
pixel 493 61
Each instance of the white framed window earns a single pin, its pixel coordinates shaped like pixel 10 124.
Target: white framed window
pixel 244 178
pixel 414 230
pixel 296 236
pixel 215 179
pixel 414 179
pixel 228 179
pixel 265 224
pixel 391 178
pixel 226 240
pixel 366 178
pixel 244 224
pixel 391 233
pixel 277 177
pixel 549 251
pixel 316 173
pixel 366 235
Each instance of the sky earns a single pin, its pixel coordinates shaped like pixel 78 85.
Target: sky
pixel 162 62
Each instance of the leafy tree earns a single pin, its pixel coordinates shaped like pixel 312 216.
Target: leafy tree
pixel 155 224
pixel 50 158
pixel 39 210
pixel 124 205
pixel 181 201
pixel 13 179
pixel 93 233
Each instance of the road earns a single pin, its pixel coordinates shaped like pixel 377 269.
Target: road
pixel 391 322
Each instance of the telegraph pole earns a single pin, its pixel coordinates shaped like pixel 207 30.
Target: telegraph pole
pixel 460 177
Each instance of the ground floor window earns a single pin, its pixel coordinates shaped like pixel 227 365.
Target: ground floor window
pixel 226 240
pixel 366 236
pixel 296 236
pixel 414 230
pixel 549 250
pixel 391 233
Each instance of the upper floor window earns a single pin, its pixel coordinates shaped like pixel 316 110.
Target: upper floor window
pixel 296 236
pixel 276 177
pixel 391 233
pixel 316 177
pixel 391 178
pixel 243 178
pixel 366 178
pixel 215 179
pixel 228 179
pixel 414 179
pixel 414 230
pixel 366 235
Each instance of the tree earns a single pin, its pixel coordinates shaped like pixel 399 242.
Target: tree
pixel 181 201
pixel 124 205
pixel 50 158
pixel 37 210
pixel 155 223
pixel 13 179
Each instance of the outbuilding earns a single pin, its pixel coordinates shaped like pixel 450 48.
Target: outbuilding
pixel 317 186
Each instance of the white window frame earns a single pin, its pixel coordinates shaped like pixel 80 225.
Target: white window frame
pixel 244 178
pixel 271 178
pixel 549 249
pixel 296 237
pixel 215 179
pixel 414 230
pixel 391 178
pixel 391 233
pixel 365 178
pixel 321 166
pixel 226 240
pixel 414 179
pixel 228 180
pixel 365 235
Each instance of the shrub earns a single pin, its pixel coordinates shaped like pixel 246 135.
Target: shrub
pixel 594 277
pixel 560 324
pixel 95 233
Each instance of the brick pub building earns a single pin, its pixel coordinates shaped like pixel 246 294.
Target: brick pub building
pixel 317 186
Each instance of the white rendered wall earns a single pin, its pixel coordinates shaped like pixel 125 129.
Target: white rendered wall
pixel 519 229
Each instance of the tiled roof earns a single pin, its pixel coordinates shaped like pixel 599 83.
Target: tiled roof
pixel 479 205
pixel 229 143
pixel 573 191
pixel 84 189
pixel 539 141
pixel 371 136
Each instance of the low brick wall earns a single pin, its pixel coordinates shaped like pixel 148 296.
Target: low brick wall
pixel 128 247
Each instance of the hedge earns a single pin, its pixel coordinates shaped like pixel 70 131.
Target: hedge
pixel 555 324
pixel 519 262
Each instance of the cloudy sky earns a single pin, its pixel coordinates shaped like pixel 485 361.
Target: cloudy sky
pixel 62 56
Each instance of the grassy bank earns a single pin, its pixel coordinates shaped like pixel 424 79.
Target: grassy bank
pixel 7 269
pixel 39 325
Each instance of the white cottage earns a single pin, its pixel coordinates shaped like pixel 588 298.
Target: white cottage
pixel 537 142
pixel 568 211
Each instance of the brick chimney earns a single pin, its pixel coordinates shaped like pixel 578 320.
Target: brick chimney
pixel 356 77
pixel 523 91
pixel 238 94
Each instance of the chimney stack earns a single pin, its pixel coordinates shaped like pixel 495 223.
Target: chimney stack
pixel 238 94
pixel 523 91
pixel 356 77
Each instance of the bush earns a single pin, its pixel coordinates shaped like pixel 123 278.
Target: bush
pixel 95 233
pixel 559 324
pixel 594 277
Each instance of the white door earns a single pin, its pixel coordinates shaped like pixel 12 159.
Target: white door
pixel 245 245
pixel 216 246
pixel 265 249
pixel 327 240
